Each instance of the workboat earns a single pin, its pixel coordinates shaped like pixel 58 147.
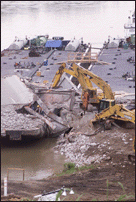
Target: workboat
pixel 129 27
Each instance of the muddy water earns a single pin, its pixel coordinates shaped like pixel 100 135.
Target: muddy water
pixel 36 157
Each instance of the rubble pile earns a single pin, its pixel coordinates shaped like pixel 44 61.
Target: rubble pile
pixel 75 150
pixel 83 149
pixel 12 120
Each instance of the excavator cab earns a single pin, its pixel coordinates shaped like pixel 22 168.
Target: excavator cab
pixel 105 103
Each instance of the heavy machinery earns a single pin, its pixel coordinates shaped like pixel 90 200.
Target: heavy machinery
pixel 105 102
pixel 108 110
pixel 89 93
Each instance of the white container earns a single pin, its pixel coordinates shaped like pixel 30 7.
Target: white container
pixel 72 45
pixel 18 44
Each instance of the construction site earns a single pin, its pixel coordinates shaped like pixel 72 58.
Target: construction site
pixel 84 99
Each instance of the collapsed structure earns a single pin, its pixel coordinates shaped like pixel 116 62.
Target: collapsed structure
pixel 62 105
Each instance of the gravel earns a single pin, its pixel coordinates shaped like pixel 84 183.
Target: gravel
pixel 11 120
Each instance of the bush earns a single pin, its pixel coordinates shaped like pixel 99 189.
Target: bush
pixel 69 166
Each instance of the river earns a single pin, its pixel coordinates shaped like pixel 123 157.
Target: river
pixel 92 20
pixel 37 157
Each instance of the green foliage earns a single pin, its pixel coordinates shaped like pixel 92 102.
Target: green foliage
pixel 69 166
pixel 79 197
pixel 107 189
pixel 59 194
pixel 123 197
pixel 121 186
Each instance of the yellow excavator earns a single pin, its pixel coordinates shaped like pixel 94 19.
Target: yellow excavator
pixel 86 78
pixel 105 102
pixel 109 110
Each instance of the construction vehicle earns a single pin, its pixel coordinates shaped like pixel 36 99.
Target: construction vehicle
pixel 108 110
pixel 89 93
pixel 105 101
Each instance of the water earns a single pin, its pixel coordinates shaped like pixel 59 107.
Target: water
pixel 92 20
pixel 36 157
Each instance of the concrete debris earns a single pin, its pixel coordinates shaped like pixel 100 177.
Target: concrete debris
pixel 14 91
pixel 10 119
pixel 82 149
pixel 13 122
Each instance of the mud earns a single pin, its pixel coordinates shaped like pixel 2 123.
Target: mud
pixel 111 147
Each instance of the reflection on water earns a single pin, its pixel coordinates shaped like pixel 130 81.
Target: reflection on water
pixel 36 157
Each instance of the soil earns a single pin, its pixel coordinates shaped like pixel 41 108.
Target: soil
pixel 92 183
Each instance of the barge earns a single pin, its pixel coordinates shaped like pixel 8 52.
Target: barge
pixel 35 67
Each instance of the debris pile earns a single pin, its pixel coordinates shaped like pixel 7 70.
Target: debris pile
pixel 12 120
pixel 84 150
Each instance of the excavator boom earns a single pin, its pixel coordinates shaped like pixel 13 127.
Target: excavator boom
pixel 86 82
pixel 83 80
pixel 107 91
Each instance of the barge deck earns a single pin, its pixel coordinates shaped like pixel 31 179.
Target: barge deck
pixel 38 76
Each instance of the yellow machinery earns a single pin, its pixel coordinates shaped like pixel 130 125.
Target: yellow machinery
pixel 105 101
pixel 89 93
pixel 107 109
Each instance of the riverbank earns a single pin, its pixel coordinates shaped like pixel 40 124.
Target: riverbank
pixel 111 148
pixel 105 151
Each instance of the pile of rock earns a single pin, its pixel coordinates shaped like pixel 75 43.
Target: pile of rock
pixel 74 146
pixel 11 120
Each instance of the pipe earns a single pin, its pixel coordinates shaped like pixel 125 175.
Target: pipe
pixel 5 186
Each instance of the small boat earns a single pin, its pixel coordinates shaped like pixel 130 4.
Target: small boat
pixel 129 27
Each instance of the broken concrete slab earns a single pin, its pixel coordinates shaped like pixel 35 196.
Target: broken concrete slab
pixel 13 91
pixel 15 124
pixel 54 98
